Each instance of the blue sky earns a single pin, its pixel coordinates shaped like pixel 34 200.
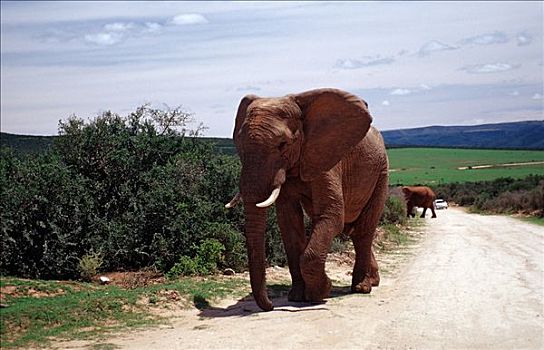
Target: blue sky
pixel 415 63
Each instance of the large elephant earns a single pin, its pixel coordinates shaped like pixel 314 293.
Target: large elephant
pixel 419 196
pixel 319 149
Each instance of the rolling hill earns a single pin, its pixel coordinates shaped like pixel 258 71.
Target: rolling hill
pixel 516 135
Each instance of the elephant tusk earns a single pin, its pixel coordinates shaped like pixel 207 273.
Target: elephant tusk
pixel 273 196
pixel 234 201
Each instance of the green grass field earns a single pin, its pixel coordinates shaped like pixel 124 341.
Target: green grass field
pixel 440 165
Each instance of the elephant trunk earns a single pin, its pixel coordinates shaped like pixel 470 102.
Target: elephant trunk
pixel 255 227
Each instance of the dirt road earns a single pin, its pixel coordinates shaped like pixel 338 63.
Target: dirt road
pixel 472 282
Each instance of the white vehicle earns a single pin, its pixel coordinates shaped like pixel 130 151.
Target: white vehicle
pixel 440 204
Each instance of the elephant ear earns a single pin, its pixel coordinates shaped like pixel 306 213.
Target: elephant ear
pixel 334 122
pixel 241 116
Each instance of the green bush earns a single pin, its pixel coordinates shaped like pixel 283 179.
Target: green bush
pixel 134 188
pixel 184 267
pixel 393 233
pixel 208 256
pixel 46 214
pixel 234 254
pixel 89 265
pixel 394 211
pixel 504 195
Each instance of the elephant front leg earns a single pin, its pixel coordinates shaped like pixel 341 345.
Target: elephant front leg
pixel 291 223
pixel 328 220
pixel 318 284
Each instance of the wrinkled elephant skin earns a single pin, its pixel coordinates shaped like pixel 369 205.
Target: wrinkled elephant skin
pixel 313 152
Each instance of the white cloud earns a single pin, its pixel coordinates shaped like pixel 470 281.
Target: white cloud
pixel 111 34
pixel 435 46
pixel 118 27
pixel 114 33
pixel 524 38
pixel 537 96
pixel 152 27
pixel 104 38
pixel 486 39
pixel 514 93
pixel 348 63
pixel 188 18
pixel 401 92
pixel 386 103
pixel 366 61
pixel 489 68
pixel 424 87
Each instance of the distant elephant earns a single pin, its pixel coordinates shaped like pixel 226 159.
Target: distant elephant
pixel 419 196
pixel 319 149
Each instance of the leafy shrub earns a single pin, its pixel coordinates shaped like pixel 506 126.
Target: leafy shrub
pixel 89 265
pixel 208 257
pixel 234 254
pixel 528 201
pixel 45 217
pixel 134 188
pixel 394 211
pixel 504 195
pixel 184 267
pixel 393 233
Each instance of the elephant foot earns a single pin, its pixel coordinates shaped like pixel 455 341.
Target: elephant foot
pixel 264 303
pixel 297 292
pixel 434 216
pixel 375 280
pixel 320 292
pixel 364 286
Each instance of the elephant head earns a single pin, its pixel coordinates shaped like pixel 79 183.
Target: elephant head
pixel 295 136
pixel 406 192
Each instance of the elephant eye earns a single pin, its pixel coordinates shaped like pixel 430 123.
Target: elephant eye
pixel 282 145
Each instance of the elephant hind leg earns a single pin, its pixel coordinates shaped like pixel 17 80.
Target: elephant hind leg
pixel 424 212
pixel 365 272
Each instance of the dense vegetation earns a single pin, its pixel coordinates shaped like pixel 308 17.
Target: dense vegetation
pixel 129 192
pixel 504 195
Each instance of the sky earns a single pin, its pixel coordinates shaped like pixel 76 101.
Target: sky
pixel 415 63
